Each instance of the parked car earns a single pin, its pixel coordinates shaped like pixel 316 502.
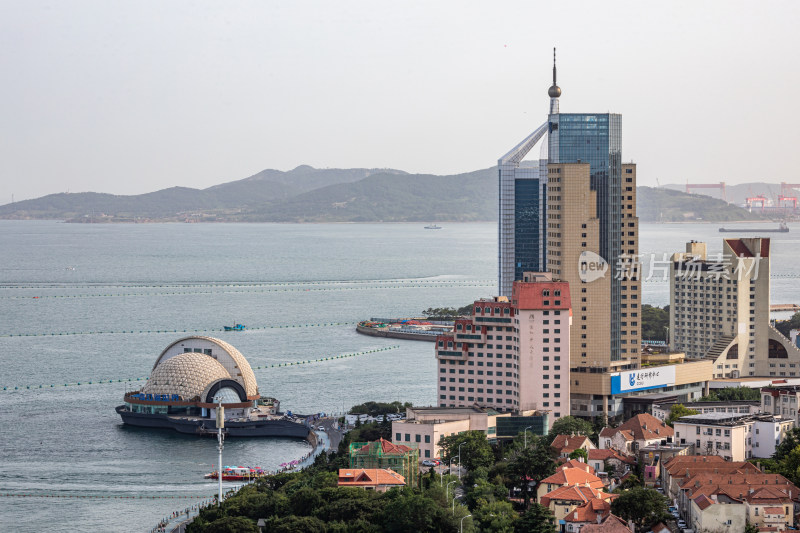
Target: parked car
pixel 681 523
pixel 427 462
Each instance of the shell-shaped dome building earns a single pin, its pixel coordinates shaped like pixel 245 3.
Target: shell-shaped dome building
pixel 229 357
pixel 189 380
pixel 192 375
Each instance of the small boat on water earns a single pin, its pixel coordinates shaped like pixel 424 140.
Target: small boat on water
pixel 782 228
pixel 235 327
pixel 432 226
pixel 237 473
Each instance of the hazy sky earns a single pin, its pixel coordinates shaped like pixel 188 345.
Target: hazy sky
pixel 131 97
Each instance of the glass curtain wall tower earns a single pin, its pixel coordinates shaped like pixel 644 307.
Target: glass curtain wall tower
pixel 593 138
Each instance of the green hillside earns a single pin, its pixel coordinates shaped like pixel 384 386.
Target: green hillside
pixel 306 194
pixel 666 205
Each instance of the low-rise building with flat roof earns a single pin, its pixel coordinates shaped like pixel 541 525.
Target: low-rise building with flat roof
pixel 424 426
pixel 732 436
pixel 741 407
pixel 782 401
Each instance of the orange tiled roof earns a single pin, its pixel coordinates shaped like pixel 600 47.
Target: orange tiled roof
pixel 568 443
pixel 574 476
pixel 771 495
pixel 589 511
pixel 693 459
pixel 387 447
pixel 736 477
pixel 574 463
pixel 612 524
pixel 609 453
pixel 687 470
pixel 774 510
pixel 774 494
pixel 646 427
pixel 571 493
pixel 703 502
pixel 369 477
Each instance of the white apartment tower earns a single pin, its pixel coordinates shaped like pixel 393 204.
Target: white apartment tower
pixel 719 309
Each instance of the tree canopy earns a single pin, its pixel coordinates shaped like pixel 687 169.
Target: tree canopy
pixel 644 507
pixel 579 454
pixel 785 326
pixel 475 449
pixel 655 321
pixel 678 410
pixel 730 394
pixel 537 519
pixel 530 464
pixel 379 408
pixel 448 312
pixel 570 425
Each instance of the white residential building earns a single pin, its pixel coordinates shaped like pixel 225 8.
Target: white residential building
pixel 733 437
pixel 719 309
pixel 782 401
pixel 663 410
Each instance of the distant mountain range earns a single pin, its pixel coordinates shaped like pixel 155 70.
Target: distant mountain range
pixel 307 194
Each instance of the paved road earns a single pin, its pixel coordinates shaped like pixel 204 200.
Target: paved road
pixel 335 435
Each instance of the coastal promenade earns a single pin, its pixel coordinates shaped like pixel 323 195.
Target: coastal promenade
pixel 327 440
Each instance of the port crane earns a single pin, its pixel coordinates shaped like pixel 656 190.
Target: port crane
pixel 720 186
pixel 760 199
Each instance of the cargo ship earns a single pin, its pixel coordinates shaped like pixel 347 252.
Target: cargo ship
pixel 782 228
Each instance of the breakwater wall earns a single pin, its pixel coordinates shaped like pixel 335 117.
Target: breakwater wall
pixel 395 334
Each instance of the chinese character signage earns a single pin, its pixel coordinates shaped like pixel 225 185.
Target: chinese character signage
pixel 642 379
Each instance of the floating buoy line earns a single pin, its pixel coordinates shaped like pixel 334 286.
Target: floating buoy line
pixel 247 288
pixel 207 330
pixel 133 380
pixel 101 496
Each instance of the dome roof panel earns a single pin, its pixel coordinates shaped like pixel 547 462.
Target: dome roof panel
pixel 187 374
pixel 238 367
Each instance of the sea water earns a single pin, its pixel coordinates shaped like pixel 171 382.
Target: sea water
pixel 98 302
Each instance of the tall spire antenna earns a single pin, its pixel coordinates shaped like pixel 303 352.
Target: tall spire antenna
pixel 555 90
pixel 554 65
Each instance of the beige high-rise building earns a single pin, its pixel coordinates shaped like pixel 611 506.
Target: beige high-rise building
pixel 630 276
pixel 572 212
pixel 719 310
pixel 574 255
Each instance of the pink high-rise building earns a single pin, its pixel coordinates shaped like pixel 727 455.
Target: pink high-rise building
pixel 511 355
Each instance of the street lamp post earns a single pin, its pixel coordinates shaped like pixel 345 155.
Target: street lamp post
pixel 450 465
pixel 220 440
pixel 461 526
pixel 447 491
pixel 460 462
pixel 454 502
pixel 525 435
